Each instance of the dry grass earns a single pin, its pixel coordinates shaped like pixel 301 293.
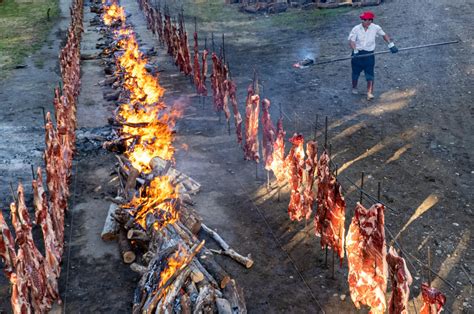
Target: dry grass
pixel 23 28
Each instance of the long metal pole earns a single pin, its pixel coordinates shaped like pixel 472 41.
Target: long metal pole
pixel 387 51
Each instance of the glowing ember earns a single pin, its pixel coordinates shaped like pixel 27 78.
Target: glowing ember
pixel 158 200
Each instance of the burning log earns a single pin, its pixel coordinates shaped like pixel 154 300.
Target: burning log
pixel 126 251
pixel 163 168
pixel 173 291
pixel 151 304
pixel 246 261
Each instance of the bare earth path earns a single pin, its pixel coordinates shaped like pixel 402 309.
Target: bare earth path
pixel 415 138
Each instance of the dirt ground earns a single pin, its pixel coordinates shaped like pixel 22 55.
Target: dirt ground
pixel 415 138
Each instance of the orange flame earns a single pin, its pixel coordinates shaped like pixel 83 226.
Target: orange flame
pixel 147 123
pixel 175 262
pixel 157 200
pixel 154 136
pixel 113 13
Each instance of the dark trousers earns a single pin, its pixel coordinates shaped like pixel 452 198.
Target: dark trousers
pixel 365 64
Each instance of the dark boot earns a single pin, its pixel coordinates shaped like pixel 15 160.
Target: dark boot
pixel 370 90
pixel 354 87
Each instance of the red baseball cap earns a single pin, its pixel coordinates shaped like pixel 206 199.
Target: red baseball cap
pixel 367 15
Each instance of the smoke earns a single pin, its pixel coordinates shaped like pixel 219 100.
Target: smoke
pixel 308 51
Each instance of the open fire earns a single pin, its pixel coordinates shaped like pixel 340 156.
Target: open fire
pixel 159 199
pixel 147 125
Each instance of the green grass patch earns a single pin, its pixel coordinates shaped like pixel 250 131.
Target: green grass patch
pixel 303 19
pixel 24 26
pixel 217 13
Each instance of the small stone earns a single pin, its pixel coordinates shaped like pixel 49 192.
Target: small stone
pixel 438 252
pixel 455 224
pixel 459 283
pixel 334 295
pixel 343 297
pixel 291 277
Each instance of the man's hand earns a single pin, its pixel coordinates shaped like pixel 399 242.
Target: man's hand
pixel 355 52
pixel 392 47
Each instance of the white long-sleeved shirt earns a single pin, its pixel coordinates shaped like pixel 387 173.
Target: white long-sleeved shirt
pixel 365 39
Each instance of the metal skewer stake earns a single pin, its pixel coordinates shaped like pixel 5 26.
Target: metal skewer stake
pixel 326 133
pixel 326 257
pixel 429 266
pixel 33 171
pixel 13 195
pixel 333 250
pixel 315 128
pixel 44 115
pixel 223 49
pixel 213 45
pixel 361 187
pixel 378 191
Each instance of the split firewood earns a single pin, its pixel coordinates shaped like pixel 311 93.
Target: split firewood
pixel 172 291
pixel 235 296
pixel 162 167
pixel 223 306
pixel 134 234
pixel 108 81
pixel 206 258
pixel 150 279
pixel 89 56
pixel 206 274
pixel 185 304
pixel 112 96
pixel 118 200
pixel 110 229
pixel 190 219
pixel 196 275
pixel 205 299
pixel 151 304
pixel 126 251
pixel 246 261
pixel 138 268
pixel 131 183
pixel 192 292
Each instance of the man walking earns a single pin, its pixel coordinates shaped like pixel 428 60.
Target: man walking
pixel 362 42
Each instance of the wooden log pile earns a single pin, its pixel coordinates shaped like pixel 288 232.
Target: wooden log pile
pixel 152 217
pixel 178 273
